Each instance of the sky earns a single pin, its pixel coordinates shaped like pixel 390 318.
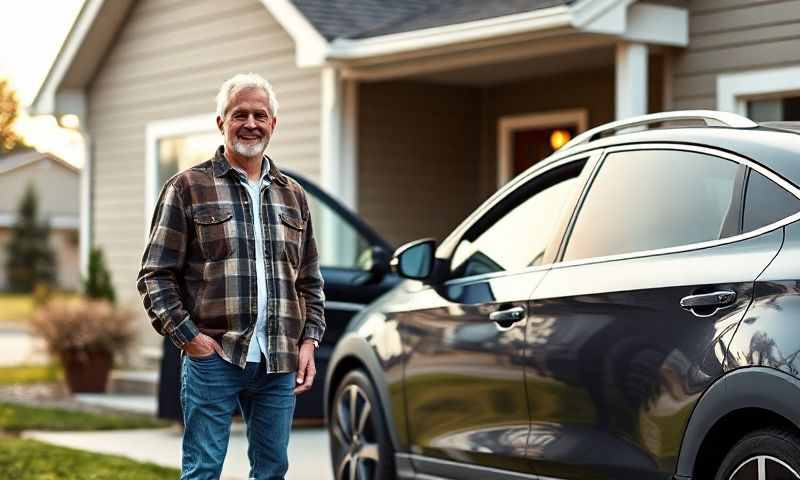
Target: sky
pixel 31 35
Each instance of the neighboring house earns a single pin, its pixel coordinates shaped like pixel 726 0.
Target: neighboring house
pixel 57 185
pixel 412 112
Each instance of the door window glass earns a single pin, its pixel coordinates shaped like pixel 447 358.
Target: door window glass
pixel 774 109
pixel 646 200
pixel 521 229
pixel 766 202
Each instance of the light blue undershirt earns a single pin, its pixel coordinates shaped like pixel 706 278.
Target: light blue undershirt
pixel 258 344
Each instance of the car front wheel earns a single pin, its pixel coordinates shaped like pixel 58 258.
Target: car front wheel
pixel 769 454
pixel 360 446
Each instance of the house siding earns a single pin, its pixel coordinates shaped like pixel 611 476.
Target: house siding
pixel 729 36
pixel 418 157
pixel 167 62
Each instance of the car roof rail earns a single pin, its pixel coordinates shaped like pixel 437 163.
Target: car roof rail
pixel 712 118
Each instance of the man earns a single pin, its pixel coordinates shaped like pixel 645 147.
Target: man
pixel 231 275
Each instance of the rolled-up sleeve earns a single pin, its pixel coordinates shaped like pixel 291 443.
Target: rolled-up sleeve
pixel 309 285
pixel 162 263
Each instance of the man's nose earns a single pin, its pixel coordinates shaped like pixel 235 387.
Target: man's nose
pixel 251 121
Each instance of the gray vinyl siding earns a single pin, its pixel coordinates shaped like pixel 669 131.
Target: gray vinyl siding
pixel 167 62
pixel 728 36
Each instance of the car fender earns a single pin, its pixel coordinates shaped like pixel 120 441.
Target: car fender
pixel 749 387
pixel 353 346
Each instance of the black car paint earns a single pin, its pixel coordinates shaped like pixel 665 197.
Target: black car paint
pixel 740 357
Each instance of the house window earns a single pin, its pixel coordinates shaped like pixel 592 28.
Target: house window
pixel 775 109
pixel 178 153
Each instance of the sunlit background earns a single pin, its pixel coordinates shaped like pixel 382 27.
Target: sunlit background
pixel 31 35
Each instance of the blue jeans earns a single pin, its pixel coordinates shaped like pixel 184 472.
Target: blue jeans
pixel 211 390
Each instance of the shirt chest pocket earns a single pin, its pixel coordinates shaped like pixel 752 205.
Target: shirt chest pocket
pixel 292 230
pixel 215 231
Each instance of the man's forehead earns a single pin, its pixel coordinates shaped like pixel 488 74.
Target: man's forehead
pixel 249 99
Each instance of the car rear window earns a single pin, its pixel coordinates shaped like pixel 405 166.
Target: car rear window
pixel 766 202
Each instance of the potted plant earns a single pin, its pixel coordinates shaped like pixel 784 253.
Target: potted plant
pixel 84 334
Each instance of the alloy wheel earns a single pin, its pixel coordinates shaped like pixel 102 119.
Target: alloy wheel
pixel 764 467
pixel 354 434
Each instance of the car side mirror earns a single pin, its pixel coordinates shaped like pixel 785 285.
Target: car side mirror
pixel 415 260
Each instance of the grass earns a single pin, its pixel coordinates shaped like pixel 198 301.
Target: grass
pixel 15 307
pixel 16 418
pixel 23 459
pixel 27 374
pixel 18 308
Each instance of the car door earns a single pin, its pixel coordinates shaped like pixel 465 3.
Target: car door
pixel 629 328
pixel 354 263
pixel 464 374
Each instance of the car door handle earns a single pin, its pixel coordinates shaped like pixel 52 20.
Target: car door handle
pixel 713 299
pixel 506 318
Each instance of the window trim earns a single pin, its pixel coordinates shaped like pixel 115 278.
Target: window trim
pixel 155 131
pixel 680 248
pixel 734 90
pixel 452 241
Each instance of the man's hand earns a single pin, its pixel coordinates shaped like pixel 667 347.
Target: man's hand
pixel 307 370
pixel 202 346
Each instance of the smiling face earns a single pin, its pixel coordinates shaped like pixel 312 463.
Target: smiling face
pixel 247 125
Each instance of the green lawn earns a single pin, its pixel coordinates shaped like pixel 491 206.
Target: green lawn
pixel 22 459
pixel 15 307
pixel 26 374
pixel 15 418
pixel 18 308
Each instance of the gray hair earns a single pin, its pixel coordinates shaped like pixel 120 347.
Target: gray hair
pixel 245 80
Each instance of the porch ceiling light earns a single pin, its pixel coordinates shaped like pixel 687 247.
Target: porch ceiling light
pixel 559 138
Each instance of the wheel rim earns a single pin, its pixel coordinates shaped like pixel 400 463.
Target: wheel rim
pixel 355 448
pixel 764 467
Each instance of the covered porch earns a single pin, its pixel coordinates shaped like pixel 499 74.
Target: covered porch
pixel 426 141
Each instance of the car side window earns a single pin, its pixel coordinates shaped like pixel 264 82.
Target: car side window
pixel 339 243
pixel 651 199
pixel 766 202
pixel 517 233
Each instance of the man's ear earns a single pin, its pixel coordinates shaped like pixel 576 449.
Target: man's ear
pixel 274 122
pixel 219 124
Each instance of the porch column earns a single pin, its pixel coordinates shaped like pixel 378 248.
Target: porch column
pixel 338 168
pixel 631 80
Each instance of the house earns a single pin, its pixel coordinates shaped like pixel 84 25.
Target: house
pixel 411 112
pixel 57 187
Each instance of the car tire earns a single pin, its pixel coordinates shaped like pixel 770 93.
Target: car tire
pixel 359 441
pixel 777 449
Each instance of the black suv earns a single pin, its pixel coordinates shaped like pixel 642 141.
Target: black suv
pixel 628 308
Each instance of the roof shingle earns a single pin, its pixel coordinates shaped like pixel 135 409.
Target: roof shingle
pixel 355 19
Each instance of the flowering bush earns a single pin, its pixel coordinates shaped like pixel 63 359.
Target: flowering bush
pixel 80 324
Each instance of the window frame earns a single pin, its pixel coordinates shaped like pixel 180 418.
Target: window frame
pixel 448 247
pixel 738 194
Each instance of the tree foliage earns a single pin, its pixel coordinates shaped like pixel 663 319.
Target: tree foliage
pixel 30 259
pixel 9 111
pixel 98 281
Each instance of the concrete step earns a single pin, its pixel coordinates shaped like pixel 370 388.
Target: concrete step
pixel 142 382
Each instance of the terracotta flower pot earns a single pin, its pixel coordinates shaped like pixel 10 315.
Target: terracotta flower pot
pixel 86 372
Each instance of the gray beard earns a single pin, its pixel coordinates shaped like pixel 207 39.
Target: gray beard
pixel 251 151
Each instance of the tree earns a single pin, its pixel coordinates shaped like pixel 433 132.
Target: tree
pixel 98 282
pixel 30 258
pixel 9 111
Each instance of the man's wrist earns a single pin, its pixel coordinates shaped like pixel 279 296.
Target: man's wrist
pixel 312 342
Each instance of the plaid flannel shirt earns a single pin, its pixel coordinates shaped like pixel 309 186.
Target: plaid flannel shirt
pixel 199 273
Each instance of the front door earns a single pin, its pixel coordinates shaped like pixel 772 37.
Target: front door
pixel 464 377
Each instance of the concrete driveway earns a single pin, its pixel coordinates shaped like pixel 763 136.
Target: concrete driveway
pixel 309 457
